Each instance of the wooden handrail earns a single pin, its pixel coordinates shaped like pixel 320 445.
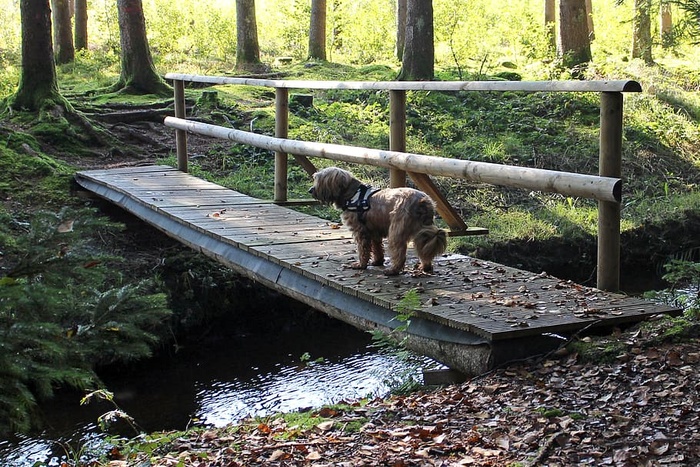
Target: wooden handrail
pixel 566 183
pixel 606 187
pixel 526 86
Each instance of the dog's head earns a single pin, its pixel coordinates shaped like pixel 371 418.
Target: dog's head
pixel 334 186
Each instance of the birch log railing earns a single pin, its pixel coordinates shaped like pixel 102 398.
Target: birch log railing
pixel 606 187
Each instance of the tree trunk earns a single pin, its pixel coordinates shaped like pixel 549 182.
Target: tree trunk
pixel 419 51
pixel 38 84
pixel 62 32
pixel 81 22
pixel 247 47
pixel 574 41
pixel 666 25
pixel 317 30
pixel 550 22
pixel 138 73
pixel 589 19
pixel 641 34
pixel 400 27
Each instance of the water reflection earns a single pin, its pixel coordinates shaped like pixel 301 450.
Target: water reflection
pixel 218 382
pixel 295 387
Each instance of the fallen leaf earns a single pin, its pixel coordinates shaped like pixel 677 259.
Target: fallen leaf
pixel 65 226
pixel 278 454
pixel 659 447
pixel 264 429
pixel 325 426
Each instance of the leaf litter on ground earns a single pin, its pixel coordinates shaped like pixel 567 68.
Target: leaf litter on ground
pixel 641 409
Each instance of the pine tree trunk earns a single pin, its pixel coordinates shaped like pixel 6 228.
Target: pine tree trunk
pixel 400 27
pixel 641 34
pixel 666 25
pixel 317 30
pixel 550 22
pixel 247 47
pixel 574 40
pixel 589 19
pixel 138 73
pixel 419 52
pixel 38 85
pixel 81 23
pixel 62 32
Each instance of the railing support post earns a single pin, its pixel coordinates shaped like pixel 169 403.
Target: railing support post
pixel 281 131
pixel 397 133
pixel 180 135
pixel 610 165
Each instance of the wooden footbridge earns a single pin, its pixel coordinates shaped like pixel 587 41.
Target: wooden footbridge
pixel 473 314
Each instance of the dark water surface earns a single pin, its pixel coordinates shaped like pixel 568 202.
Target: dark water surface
pixel 221 380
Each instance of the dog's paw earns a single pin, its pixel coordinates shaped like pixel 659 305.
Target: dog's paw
pixel 358 265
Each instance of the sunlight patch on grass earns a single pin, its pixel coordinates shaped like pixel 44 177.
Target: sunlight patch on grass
pixel 641 210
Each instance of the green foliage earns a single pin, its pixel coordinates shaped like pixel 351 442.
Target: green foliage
pixel 108 419
pixel 684 277
pixel 205 29
pixel 64 310
pixel 391 343
pixel 683 273
pixel 692 8
pixel 483 38
pixel 488 33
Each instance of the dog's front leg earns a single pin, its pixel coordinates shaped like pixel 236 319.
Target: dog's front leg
pixel 364 248
pixel 377 252
pixel 397 251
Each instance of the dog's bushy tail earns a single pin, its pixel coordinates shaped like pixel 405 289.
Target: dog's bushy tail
pixel 430 242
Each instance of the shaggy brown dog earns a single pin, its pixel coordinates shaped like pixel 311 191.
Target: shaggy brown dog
pixel 398 214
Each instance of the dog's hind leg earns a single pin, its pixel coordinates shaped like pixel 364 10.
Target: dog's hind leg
pixel 429 242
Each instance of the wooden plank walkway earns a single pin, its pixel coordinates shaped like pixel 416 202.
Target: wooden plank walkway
pixel 501 311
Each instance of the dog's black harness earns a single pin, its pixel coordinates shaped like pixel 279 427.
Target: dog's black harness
pixel 359 203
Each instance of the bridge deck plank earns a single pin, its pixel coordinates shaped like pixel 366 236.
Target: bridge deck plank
pixel 481 297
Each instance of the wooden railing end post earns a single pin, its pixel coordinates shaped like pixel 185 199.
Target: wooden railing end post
pixel 180 135
pixel 281 131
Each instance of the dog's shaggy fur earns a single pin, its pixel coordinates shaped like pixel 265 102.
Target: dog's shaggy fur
pixel 397 214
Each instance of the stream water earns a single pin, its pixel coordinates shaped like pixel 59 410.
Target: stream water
pixel 219 381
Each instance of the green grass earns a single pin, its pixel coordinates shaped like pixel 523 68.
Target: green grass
pixel 557 131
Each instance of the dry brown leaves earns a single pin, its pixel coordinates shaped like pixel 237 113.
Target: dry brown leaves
pixel 641 410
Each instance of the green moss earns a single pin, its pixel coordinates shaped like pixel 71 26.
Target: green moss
pixel 29 177
pixel 550 412
pixel 598 351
